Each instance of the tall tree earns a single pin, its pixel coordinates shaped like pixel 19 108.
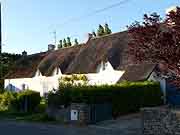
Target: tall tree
pixel 100 31
pixel 94 33
pixel 60 45
pixel 76 41
pixel 107 30
pixel 64 43
pixel 158 42
pixel 69 42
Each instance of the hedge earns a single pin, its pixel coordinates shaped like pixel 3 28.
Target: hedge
pixel 28 100
pixel 125 97
pixel 1 85
pixel 24 101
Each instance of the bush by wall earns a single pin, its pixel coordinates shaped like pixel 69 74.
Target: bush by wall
pixel 125 97
pixel 25 101
pixel 28 100
pixel 7 99
pixel 1 85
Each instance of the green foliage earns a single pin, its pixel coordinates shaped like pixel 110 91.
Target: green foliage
pixel 60 45
pixel 73 80
pixel 6 100
pixel 64 43
pixel 7 61
pixel 76 41
pixel 28 100
pixel 69 42
pixel 94 34
pixel 125 97
pixel 25 101
pixel 100 31
pixel 1 85
pixel 107 30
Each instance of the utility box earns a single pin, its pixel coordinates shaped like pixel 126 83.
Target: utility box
pixel 74 114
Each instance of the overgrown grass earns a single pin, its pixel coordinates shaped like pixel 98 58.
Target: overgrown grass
pixel 27 117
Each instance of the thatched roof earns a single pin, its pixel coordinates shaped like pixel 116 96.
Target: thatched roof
pixel 140 72
pixel 110 48
pixel 60 58
pixel 77 59
pixel 26 66
pixel 46 62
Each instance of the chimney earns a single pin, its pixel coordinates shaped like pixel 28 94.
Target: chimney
pixel 90 36
pixel 51 47
pixel 24 53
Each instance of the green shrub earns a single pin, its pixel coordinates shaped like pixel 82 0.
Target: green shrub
pixel 1 85
pixel 28 100
pixel 41 108
pixel 125 97
pixel 6 100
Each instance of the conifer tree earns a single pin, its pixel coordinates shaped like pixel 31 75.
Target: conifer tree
pixel 69 42
pixel 107 30
pixel 100 31
pixel 76 41
pixel 94 34
pixel 60 45
pixel 64 43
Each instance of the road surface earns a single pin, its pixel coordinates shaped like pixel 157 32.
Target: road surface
pixel 122 126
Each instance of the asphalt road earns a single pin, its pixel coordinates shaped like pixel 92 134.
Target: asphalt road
pixel 128 126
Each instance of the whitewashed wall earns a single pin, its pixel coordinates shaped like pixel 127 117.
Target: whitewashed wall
pixel 162 82
pixel 43 84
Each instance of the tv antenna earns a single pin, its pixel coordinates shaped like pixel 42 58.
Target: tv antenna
pixel 55 37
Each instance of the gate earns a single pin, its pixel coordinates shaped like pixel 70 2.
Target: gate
pixel 100 112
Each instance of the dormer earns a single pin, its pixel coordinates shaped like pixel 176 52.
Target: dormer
pixel 38 73
pixel 57 71
pixel 104 66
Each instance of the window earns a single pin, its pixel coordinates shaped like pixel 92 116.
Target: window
pixel 23 86
pixel 10 87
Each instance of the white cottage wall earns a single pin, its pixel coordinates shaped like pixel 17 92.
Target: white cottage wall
pixel 45 84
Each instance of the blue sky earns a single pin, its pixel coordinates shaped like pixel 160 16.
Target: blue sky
pixel 29 24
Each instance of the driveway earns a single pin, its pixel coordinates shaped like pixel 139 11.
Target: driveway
pixel 123 126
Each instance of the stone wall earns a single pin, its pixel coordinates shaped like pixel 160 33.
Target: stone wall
pixel 160 121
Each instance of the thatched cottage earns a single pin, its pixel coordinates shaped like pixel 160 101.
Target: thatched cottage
pixel 104 60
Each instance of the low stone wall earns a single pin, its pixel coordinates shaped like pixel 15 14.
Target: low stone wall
pixel 160 121
pixel 62 114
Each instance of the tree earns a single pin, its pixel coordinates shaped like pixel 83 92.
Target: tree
pixel 107 30
pixel 158 42
pixel 60 45
pixel 69 42
pixel 64 43
pixel 94 34
pixel 100 31
pixel 76 41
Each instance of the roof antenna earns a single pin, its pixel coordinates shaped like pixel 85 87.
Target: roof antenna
pixel 55 37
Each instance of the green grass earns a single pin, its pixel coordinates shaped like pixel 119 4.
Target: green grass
pixel 27 117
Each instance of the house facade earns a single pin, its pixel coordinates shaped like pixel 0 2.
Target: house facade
pixel 43 84
pixel 102 60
